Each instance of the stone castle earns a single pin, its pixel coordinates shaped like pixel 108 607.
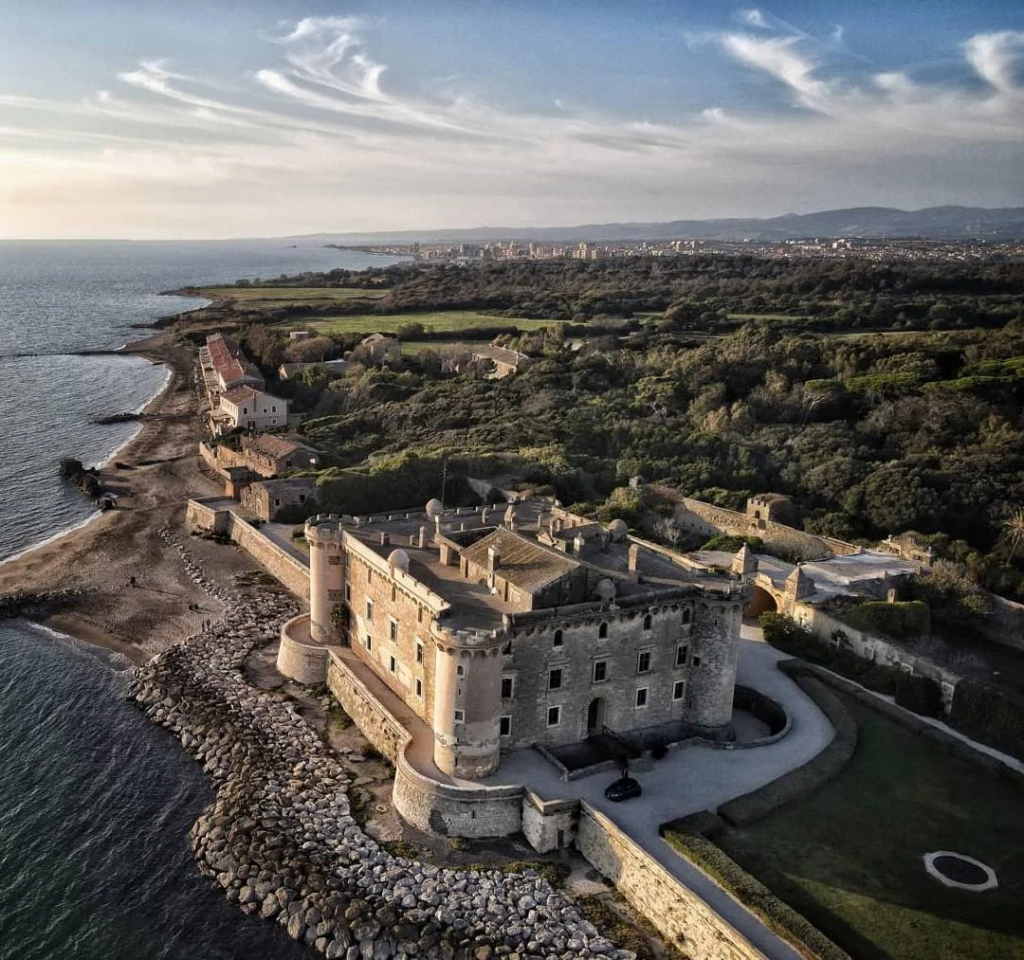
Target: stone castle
pixel 527 625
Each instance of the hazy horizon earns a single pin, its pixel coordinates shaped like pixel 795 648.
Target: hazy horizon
pixel 284 119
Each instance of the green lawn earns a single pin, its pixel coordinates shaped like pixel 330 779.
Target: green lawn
pixel 273 298
pixel 849 858
pixel 453 320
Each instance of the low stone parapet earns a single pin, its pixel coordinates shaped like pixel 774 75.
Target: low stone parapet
pixel 299 656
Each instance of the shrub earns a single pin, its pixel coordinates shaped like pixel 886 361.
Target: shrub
pixel 989 716
pixel 920 695
pixel 904 620
pixel 731 544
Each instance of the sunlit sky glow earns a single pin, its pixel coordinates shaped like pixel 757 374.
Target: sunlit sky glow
pixel 229 118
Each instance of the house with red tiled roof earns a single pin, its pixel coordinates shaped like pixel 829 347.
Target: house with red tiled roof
pixel 231 367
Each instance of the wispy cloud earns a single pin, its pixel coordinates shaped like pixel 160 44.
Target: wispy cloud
pixel 323 134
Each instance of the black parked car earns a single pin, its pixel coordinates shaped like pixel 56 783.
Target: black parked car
pixel 625 788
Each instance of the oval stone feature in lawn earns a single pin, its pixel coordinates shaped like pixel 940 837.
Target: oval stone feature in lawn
pixel 960 871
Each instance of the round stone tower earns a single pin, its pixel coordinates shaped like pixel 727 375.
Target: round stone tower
pixel 326 574
pixel 714 649
pixel 467 703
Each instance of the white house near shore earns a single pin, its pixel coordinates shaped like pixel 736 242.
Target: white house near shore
pixel 252 409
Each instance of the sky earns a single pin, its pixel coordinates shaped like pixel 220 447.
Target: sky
pixel 245 118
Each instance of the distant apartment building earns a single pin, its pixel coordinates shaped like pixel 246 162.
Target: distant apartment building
pixel 247 408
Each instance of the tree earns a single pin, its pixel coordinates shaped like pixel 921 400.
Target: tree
pixel 1014 528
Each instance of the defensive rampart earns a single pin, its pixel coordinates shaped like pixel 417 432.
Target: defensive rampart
pixel 674 910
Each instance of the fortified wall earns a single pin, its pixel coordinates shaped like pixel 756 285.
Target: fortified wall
pixel 758 521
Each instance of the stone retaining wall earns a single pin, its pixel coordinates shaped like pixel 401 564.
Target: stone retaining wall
pixel 445 809
pixel 303 662
pixel 708 519
pixel 203 518
pixel 675 911
pixel 276 561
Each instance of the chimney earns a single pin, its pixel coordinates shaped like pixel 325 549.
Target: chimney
pixel 633 558
pixel 578 544
pixel 384 538
pixel 422 538
pixel 483 515
pixel 493 558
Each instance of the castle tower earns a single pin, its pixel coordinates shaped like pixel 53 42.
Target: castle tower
pixel 744 564
pixel 714 650
pixel 326 575
pixel 467 702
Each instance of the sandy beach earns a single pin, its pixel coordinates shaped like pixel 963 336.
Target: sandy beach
pixel 153 477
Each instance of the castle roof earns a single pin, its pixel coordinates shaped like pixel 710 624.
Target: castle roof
pixel 524 563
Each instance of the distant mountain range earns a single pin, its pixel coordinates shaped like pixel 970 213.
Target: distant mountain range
pixel 933 223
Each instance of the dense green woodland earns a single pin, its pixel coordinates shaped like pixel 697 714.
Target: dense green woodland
pixel 871 434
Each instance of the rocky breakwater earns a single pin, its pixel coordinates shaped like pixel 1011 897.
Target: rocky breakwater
pixel 281 841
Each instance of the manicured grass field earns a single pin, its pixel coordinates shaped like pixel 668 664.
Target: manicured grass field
pixel 850 858
pixel 273 298
pixel 453 320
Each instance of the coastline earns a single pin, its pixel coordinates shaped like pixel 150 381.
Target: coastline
pixel 153 475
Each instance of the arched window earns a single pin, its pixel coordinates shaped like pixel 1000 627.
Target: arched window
pixel 686 616
pixel 557 640
pixel 602 631
pixel 648 621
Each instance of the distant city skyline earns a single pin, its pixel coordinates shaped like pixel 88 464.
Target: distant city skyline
pixel 144 120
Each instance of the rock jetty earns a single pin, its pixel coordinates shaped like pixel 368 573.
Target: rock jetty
pixel 280 839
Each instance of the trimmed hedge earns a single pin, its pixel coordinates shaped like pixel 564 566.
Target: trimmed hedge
pixel 806 779
pixel 778 916
pixel 989 716
pixel 920 695
pixel 787 635
pixel 905 620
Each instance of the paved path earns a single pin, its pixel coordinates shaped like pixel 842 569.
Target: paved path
pixel 698 777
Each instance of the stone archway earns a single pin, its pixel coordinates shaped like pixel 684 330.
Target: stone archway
pixel 761 601
pixel 596 717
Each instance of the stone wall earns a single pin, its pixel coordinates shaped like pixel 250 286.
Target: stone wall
pixel 676 912
pixel 708 519
pixel 1005 624
pixel 877 649
pixel 201 517
pixel 276 561
pixel 447 809
pixel 303 662
pixel 549 824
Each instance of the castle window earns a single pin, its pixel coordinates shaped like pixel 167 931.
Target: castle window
pixel 554 716
pixel 393 665
pixel 460 670
pixel 681 656
pixel 394 593
pixel 678 688
pixel 392 629
pixel 505 726
pixel 641 698
pixel 460 716
pixel 602 631
pixel 648 622
pixel 419 652
pixel 369 610
pixel 508 686
pixel 696 661
pixel 369 642
pixel 556 641
pixel 686 616
pixel 555 680
pixel 419 614
pixel 419 687
pixel 348 592
pixel 600 671
pixel 643 661
pixel 507 649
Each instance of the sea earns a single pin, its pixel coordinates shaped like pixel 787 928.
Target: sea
pixel 96 802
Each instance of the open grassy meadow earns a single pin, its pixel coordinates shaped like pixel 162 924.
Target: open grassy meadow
pixel 442 320
pixel 276 298
pixel 850 858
